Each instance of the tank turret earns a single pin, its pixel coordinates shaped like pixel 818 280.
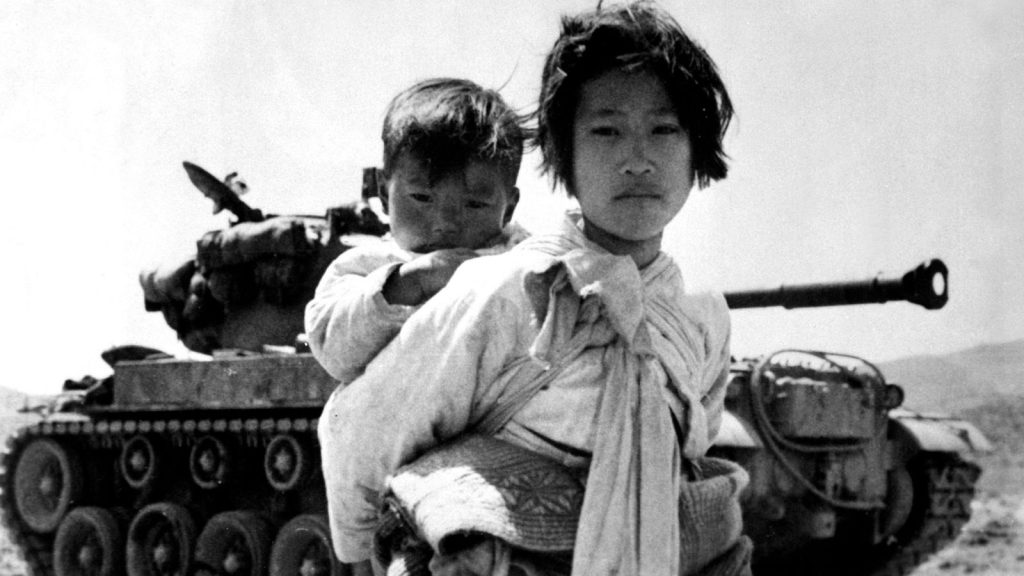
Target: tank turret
pixel 926 285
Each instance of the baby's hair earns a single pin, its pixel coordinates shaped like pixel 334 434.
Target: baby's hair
pixel 633 37
pixel 447 122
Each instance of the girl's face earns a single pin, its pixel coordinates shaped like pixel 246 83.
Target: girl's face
pixel 632 160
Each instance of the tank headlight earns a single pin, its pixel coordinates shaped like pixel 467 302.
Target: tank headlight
pixel 892 397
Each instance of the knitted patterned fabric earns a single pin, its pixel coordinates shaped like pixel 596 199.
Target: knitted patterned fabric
pixel 710 517
pixel 479 484
pixel 483 485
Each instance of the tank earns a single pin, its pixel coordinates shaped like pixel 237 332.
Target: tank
pixel 210 464
pixel 199 465
pixel 843 480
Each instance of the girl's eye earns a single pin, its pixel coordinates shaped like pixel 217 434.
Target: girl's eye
pixel 419 197
pixel 663 129
pixel 604 131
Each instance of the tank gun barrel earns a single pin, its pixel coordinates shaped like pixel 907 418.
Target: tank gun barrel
pixel 926 285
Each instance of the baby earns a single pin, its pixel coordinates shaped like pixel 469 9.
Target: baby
pixel 452 152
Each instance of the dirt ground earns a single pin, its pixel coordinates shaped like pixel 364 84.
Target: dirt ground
pixel 992 543
pixel 10 563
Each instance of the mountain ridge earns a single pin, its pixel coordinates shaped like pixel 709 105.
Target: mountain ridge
pixel 959 380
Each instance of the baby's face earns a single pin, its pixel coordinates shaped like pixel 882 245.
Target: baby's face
pixel 465 208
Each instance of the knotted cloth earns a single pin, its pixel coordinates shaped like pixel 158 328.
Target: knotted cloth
pixel 636 468
pixel 657 364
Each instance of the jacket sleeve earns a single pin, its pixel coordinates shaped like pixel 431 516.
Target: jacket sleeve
pixel 348 321
pixel 417 393
pixel 716 375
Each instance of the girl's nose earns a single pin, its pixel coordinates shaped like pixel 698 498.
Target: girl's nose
pixel 638 159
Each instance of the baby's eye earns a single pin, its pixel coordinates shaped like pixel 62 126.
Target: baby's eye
pixel 420 197
pixel 476 204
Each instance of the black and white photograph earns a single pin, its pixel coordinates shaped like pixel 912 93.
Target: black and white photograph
pixel 490 288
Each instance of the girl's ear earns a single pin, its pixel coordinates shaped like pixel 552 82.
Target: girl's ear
pixel 382 193
pixel 510 205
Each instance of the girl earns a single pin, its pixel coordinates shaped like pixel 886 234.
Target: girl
pixel 581 346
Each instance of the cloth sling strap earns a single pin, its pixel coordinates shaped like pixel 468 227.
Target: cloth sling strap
pixel 530 374
pixel 567 329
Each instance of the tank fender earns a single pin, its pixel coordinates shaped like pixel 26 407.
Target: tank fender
pixel 736 432
pixel 937 433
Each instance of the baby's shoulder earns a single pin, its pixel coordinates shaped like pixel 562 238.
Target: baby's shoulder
pixel 706 302
pixel 365 258
pixel 707 308
pixel 508 275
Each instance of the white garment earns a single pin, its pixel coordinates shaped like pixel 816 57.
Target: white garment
pixel 448 366
pixel 348 321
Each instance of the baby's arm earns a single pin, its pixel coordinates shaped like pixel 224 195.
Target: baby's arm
pixel 357 310
pixel 417 393
pixel 348 320
pixel 416 281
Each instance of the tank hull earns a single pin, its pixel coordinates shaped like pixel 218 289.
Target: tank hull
pixel 842 482
pixel 230 444
pixel 207 441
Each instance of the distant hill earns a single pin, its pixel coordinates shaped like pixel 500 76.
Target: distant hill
pixel 960 380
pixel 10 418
pixel 11 400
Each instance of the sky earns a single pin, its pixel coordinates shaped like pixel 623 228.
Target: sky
pixel 869 137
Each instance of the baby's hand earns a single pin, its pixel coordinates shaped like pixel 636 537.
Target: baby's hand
pixel 420 278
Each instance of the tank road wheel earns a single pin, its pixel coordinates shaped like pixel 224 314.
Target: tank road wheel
pixel 160 541
pixel 210 462
pixel 139 462
pixel 88 543
pixel 303 548
pixel 287 463
pixel 899 502
pixel 234 543
pixel 942 486
pixel 47 482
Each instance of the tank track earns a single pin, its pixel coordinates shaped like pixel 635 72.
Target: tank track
pixel 103 438
pixel 949 482
pixel 944 487
pixel 946 479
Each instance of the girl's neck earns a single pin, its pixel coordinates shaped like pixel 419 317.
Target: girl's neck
pixel 643 252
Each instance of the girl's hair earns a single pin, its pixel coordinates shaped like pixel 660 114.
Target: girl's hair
pixel 638 36
pixel 447 122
